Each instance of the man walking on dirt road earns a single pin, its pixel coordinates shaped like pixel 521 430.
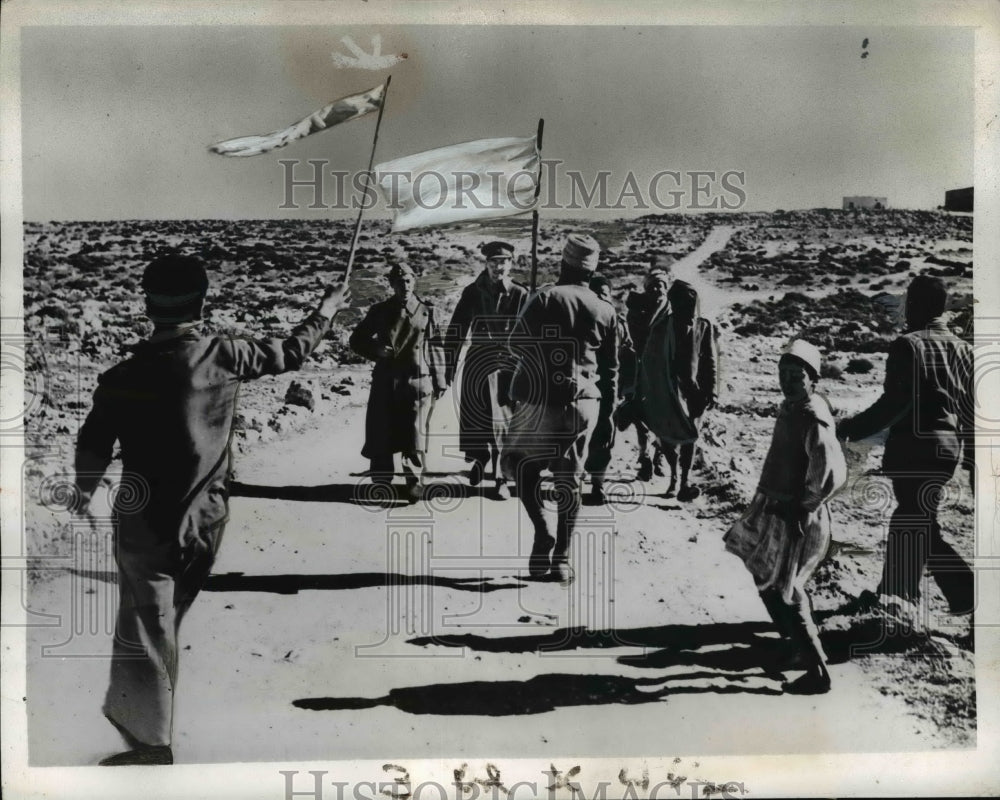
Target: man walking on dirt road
pixel 400 335
pixel 485 312
pixel 603 440
pixel 678 380
pixel 566 349
pixel 641 309
pixel 927 404
pixel 170 406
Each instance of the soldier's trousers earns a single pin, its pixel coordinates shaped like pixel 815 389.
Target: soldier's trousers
pixel 155 593
pixel 602 441
pixel 915 543
pixel 384 467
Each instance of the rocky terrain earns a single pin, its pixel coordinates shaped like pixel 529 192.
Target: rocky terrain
pixel 834 277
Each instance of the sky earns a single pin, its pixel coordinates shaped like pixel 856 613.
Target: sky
pixel 116 120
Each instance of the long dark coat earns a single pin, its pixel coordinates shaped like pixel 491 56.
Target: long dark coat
pixel 674 396
pixel 404 384
pixel 486 315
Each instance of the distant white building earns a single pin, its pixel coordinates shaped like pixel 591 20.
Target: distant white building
pixel 864 201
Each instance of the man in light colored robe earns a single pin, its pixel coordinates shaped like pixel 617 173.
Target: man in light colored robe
pixel 785 532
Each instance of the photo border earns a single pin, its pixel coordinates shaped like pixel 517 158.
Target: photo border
pixel 842 774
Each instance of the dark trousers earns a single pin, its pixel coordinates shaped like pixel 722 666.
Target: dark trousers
pixel 914 542
pixel 383 468
pixel 483 455
pixel 686 453
pixel 599 450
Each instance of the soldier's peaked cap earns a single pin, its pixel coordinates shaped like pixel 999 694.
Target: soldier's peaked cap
pixel 581 251
pixel 497 248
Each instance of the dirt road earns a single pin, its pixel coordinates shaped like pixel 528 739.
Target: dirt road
pixel 343 624
pixel 317 597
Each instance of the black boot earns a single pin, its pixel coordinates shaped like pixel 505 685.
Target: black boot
pixel 149 755
pixel 562 572
pixel 596 496
pixel 538 563
pixel 645 469
pixel 566 519
pixel 658 462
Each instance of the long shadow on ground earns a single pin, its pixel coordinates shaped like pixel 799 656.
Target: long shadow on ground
pixel 292 584
pixel 688 637
pixel 678 645
pixel 537 695
pixel 361 494
pixel 734 646
pixel 375 496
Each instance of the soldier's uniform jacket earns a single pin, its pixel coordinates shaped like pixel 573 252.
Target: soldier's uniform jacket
pixel 403 383
pixel 566 345
pixel 485 314
pixel 488 312
pixel 171 406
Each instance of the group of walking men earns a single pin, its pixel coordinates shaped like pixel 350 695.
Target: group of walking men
pixel 500 348
pixel 546 377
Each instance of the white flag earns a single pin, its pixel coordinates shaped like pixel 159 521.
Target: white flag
pixel 342 110
pixel 462 182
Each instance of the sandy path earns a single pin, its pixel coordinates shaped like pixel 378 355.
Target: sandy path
pixel 301 607
pixel 713 298
pixel 659 647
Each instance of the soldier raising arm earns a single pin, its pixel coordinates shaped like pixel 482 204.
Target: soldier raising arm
pixel 171 405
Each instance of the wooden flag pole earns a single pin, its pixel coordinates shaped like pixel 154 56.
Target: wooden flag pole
pixel 534 212
pixel 368 175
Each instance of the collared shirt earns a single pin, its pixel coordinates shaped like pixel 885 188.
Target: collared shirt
pixel 166 332
pixel 927 402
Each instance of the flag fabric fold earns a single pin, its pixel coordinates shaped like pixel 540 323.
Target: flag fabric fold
pixel 342 110
pixel 464 182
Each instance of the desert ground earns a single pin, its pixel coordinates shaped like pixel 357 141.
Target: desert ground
pixel 341 622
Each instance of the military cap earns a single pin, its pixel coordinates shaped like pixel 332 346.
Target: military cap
pixel 497 248
pixel 581 251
